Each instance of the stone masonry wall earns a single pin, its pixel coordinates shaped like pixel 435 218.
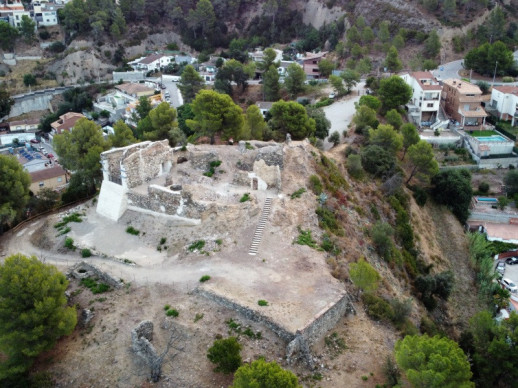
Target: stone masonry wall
pixel 92 271
pixel 299 342
pixel 147 163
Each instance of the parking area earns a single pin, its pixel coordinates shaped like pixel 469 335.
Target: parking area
pixel 511 272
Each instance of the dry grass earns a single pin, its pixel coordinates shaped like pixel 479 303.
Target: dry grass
pixel 14 79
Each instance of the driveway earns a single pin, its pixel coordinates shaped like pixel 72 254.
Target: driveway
pixel 341 112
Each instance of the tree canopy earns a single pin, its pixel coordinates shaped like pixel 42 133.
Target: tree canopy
pixel 294 79
pixel 483 59
pixel 14 189
pixel 123 136
pixel 511 182
pixel 79 150
pixel 254 122
pixel 8 35
pixel 386 137
pixel 262 374
pixel 6 102
pixel 453 189
pixel 433 362
pixel 422 161
pixel 216 113
pixel 364 276
pixel 190 83
pixel 271 87
pixel 225 353
pixel 291 117
pixel 33 312
pixel 394 92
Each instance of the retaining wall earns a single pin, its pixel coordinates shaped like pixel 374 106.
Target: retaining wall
pixel 300 341
pixel 93 271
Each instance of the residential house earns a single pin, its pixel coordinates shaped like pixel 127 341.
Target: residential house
pixel 310 64
pixel 504 103
pixel 13 12
pixel 65 123
pixel 52 177
pixel 184 59
pixel 284 67
pixel 135 90
pixel 151 62
pixel 29 125
pixel 264 106
pixel 423 107
pixel 115 103
pixel 463 102
pixel 45 14
pixel 131 109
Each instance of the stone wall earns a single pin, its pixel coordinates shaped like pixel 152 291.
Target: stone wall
pixel 147 163
pixel 270 174
pixel 255 316
pixel 85 270
pixel 298 343
pixel 141 337
pixel 200 160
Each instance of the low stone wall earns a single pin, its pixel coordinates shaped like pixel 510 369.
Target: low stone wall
pixel 92 271
pixel 255 316
pixel 298 343
pixel 498 162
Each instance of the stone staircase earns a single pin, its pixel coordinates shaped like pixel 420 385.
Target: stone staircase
pixel 258 235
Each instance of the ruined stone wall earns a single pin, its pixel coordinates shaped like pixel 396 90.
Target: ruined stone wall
pixel 272 155
pixel 142 165
pixel 271 174
pixel 85 270
pixel 162 200
pixel 248 313
pixel 112 159
pixel 299 343
pixel 200 160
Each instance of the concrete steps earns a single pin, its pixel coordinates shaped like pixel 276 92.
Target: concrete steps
pixel 258 235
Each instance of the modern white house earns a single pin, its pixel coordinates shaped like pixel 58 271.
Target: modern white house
pixel 424 105
pixel 45 14
pixel 151 62
pixel 504 103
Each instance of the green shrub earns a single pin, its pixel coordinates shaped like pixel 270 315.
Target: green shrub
pixel 94 286
pixel 305 238
pixel 196 246
pixel 324 102
pixel 262 302
pixel 377 308
pixel 197 317
pixel 354 166
pixel 167 307
pixel 163 240
pixel 132 230
pixel 172 313
pixel 315 184
pixel 328 221
pixel 225 353
pixel 204 278
pixel 219 241
pixel 381 234
pixel 483 187
pixel 86 252
pixel 69 243
pixel 507 79
pixel 245 197
pixel 298 193
pixel 74 217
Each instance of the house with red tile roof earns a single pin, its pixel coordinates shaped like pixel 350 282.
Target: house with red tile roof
pixel 65 123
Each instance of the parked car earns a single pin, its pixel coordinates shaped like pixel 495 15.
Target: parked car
pixel 509 285
pixel 500 267
pixel 332 95
pixel 512 261
pixel 35 141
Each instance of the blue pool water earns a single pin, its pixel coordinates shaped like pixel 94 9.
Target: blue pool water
pixel 491 138
pixel 482 199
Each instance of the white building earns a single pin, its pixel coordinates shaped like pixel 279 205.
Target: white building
pixel 45 14
pixel 504 103
pixel 151 62
pixel 424 105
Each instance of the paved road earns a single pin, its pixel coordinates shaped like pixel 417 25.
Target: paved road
pixel 341 112
pixel 451 70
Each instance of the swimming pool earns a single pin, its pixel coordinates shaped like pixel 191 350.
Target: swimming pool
pixel 491 138
pixel 485 199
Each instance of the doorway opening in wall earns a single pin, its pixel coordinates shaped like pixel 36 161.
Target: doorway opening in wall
pixel 255 184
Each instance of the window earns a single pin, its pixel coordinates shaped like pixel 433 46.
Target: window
pixel 42 184
pixel 429 105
